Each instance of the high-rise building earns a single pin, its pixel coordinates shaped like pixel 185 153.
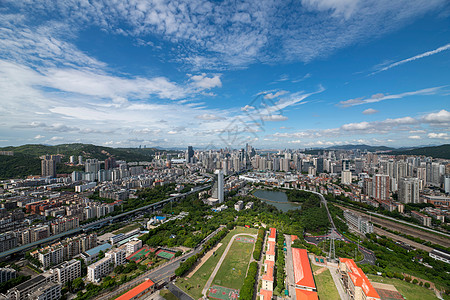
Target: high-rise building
pixel 408 191
pixel 320 165
pixel 110 163
pixel 218 187
pixel 80 160
pixel 345 165
pixel 72 159
pixel 346 177
pixel 48 166
pixel 91 166
pixel 190 155
pixel 381 187
pixel 447 184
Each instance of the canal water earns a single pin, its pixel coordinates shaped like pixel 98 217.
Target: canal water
pixel 277 199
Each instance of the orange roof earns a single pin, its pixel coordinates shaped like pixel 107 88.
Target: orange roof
pixel 359 278
pixel 137 290
pixel 305 295
pixel 294 237
pixel 271 250
pixel 267 295
pixel 269 273
pixel 273 233
pixel 302 269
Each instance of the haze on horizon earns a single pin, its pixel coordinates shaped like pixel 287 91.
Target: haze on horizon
pixel 311 73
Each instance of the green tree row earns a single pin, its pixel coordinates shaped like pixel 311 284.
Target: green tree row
pixel 248 288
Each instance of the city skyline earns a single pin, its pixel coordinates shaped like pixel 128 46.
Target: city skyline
pixel 316 73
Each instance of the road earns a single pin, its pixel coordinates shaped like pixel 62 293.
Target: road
pixel 290 280
pixel 219 263
pixel 93 224
pixel 160 274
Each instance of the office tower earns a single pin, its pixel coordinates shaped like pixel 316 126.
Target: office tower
pixel 218 187
pixel 381 187
pixel 48 166
pixel 91 166
pixel 80 160
pixel 72 159
pixel 345 165
pixel 190 155
pixel 408 191
pixel 359 166
pixel 320 165
pixel 110 163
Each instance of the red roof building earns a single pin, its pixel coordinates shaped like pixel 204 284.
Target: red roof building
pixel 303 276
pixel 305 295
pixel 267 278
pixel 139 291
pixel 356 283
pixel 272 235
pixel 265 295
pixel 293 238
pixel 270 251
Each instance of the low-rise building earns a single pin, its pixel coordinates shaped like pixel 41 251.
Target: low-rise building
pixel 67 271
pixel 358 223
pixel 355 282
pixel 303 276
pixel 268 277
pixel 133 246
pixel 239 205
pixel 104 266
pixel 423 219
pixel 144 288
pixel 7 274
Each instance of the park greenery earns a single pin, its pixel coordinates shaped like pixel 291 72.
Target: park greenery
pixel 248 288
pixel 280 275
pixel 259 244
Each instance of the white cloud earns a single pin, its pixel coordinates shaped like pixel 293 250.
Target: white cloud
pixel 56 138
pixel 37 137
pixel 370 111
pixel 209 117
pixel 275 118
pixel 419 56
pixel 274 95
pixel 414 137
pixel 247 108
pixel 339 7
pixel 442 116
pixel 381 97
pixel 204 82
pixel 442 135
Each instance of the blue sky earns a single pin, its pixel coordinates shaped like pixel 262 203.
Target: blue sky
pixel 276 74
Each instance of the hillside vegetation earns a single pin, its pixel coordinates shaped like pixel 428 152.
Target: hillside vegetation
pixel 26 158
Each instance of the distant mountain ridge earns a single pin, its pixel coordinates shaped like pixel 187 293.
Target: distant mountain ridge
pixel 26 157
pixel 361 147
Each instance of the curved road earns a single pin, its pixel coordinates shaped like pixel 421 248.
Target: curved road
pixel 219 263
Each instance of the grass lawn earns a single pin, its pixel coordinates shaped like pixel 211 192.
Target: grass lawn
pixel 194 285
pixel 127 228
pixel 234 267
pixel 408 290
pixel 166 294
pixel 325 285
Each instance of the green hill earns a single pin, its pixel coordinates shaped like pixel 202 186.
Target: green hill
pixel 26 158
pixel 442 151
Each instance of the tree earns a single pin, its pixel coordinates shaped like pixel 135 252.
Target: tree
pixel 78 284
pixel 427 285
pixel 415 281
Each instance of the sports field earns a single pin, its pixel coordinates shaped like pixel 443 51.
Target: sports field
pixel 140 255
pixel 195 284
pixel 244 239
pixel 165 254
pixel 222 293
pixel 234 268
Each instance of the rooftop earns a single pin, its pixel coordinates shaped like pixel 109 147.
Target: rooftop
pixel 305 295
pixel 137 290
pixel 97 249
pixel 302 269
pixel 268 276
pixel 273 233
pixel 271 250
pixel 359 278
pixel 267 295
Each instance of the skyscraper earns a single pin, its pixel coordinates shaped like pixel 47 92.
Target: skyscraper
pixel 48 166
pixel 190 155
pixel 408 191
pixel 91 166
pixel 381 187
pixel 218 187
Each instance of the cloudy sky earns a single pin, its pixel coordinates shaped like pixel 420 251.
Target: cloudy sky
pixel 276 74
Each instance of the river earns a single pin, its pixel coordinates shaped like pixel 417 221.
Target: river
pixel 277 199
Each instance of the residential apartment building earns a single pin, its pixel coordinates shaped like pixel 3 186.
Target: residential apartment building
pixel 423 219
pixel 67 271
pixel 356 284
pixel 358 223
pixel 7 274
pixel 104 266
